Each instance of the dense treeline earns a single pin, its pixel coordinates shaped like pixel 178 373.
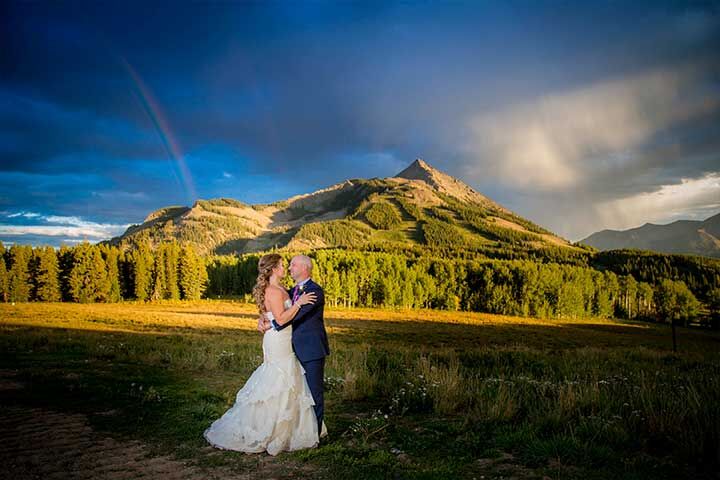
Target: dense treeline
pixel 101 273
pixel 700 274
pixel 626 284
pixel 516 287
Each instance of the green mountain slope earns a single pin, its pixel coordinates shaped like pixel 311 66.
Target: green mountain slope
pixel 419 206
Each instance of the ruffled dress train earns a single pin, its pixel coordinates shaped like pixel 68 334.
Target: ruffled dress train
pixel 274 411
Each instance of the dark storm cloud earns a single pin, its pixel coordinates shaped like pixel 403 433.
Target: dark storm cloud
pixel 268 100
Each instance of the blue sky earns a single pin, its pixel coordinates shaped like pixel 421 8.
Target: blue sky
pixel 577 115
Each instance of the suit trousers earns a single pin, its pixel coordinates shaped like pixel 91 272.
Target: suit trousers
pixel 315 376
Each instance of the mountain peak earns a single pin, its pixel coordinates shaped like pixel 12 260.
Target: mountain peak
pixel 418 170
pixel 337 216
pixel 421 163
pixel 444 183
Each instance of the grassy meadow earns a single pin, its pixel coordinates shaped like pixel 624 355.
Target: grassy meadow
pixel 409 394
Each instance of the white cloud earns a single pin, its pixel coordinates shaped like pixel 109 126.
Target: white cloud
pixel 691 199
pixel 76 221
pixel 575 216
pixel 100 232
pixel 65 226
pixel 564 140
pixel 24 214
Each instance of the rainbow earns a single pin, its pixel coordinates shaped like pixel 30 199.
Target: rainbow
pixel 153 110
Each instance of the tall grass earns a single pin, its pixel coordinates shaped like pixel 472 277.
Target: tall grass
pixel 637 399
pixel 586 393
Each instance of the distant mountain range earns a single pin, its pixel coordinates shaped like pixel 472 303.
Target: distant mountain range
pixel 683 236
pixel 419 206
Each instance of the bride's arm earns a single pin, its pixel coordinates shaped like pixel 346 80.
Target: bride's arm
pixel 274 302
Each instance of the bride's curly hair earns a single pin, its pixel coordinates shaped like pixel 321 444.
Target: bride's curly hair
pixel 265 268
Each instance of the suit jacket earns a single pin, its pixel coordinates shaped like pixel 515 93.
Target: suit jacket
pixel 309 337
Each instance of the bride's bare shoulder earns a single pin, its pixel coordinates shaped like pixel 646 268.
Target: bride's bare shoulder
pixel 274 291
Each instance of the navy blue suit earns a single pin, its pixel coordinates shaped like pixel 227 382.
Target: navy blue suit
pixel 310 343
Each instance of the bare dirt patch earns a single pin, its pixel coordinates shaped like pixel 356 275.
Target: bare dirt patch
pixel 40 443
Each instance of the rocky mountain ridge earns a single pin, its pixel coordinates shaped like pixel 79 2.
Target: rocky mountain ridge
pixel 419 206
pixel 691 237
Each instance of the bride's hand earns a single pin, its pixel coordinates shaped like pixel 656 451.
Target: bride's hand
pixel 306 298
pixel 263 324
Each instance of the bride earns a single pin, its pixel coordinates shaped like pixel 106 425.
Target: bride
pixel 273 412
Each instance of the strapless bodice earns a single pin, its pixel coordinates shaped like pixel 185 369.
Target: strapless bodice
pixel 277 344
pixel 269 314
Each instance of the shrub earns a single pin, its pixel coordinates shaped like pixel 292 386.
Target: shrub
pixel 383 216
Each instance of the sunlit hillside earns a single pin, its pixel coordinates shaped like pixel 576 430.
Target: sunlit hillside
pixel 419 206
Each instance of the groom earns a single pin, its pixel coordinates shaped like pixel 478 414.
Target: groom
pixel 309 338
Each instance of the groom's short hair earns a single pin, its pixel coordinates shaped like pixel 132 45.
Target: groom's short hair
pixel 307 261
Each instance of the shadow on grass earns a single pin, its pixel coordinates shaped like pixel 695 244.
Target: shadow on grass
pixel 434 334
pixel 63 370
pixel 167 410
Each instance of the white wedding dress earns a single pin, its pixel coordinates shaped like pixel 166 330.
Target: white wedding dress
pixel 273 412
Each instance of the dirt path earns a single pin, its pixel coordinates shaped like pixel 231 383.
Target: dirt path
pixel 39 443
